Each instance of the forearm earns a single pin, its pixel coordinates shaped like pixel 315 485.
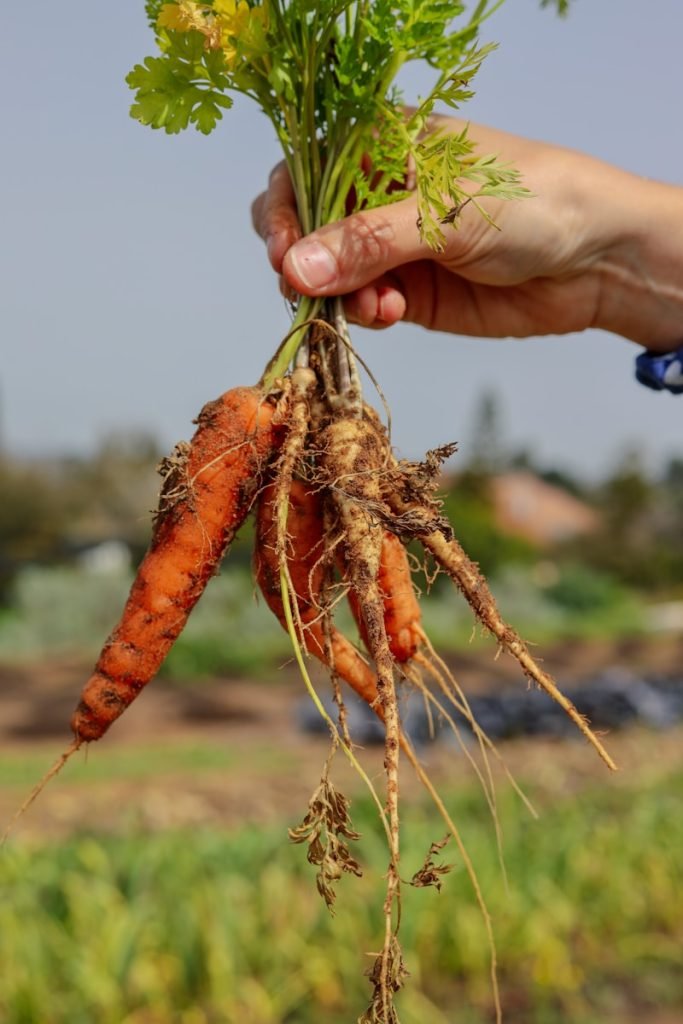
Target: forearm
pixel 625 231
pixel 642 270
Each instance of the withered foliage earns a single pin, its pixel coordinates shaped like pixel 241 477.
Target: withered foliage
pixel 388 975
pixel 326 828
pixel 431 873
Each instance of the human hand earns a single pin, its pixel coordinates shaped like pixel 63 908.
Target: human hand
pixel 589 249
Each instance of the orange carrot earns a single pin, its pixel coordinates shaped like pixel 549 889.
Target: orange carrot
pixel 402 619
pixel 305 561
pixel 209 487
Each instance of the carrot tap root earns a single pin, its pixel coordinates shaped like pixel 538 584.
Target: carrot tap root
pixel 352 459
pixel 39 787
pixel 414 511
pixel 208 488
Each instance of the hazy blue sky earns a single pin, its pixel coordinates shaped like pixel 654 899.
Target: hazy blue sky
pixel 132 288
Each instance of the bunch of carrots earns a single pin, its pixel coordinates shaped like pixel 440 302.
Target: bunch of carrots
pixel 335 509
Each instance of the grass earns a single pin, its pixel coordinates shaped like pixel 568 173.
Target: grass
pixel 22 770
pixel 205 927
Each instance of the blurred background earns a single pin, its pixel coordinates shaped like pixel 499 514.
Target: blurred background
pixel 153 882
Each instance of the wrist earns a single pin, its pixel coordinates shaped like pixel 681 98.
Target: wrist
pixel 641 267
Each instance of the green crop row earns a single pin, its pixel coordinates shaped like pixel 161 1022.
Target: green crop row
pixel 213 928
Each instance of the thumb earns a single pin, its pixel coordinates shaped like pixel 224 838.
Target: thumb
pixel 340 258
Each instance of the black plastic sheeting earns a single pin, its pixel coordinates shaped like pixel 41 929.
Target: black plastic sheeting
pixel 614 699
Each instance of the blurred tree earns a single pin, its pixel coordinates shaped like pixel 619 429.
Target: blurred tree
pixel 565 480
pixel 111 493
pixel 523 458
pixel 672 482
pixel 669 520
pixel 482 454
pixel 468 503
pixel 627 498
pixel 641 540
pixel 558 476
pixel 485 450
pixel 32 517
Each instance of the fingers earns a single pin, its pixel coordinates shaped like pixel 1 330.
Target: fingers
pixel 351 256
pixel 274 216
pixel 344 257
pixel 378 304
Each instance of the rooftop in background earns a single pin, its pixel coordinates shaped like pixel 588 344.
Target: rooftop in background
pixel 538 511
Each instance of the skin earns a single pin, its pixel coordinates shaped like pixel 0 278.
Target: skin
pixel 595 247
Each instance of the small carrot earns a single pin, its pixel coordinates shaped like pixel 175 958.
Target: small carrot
pixel 306 565
pixel 209 487
pixel 402 618
pixel 436 536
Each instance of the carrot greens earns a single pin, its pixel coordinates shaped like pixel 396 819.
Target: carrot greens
pixel 325 75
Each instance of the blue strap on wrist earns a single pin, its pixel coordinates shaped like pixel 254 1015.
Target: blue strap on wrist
pixel 661 371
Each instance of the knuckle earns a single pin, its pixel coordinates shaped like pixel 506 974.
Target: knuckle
pixel 372 239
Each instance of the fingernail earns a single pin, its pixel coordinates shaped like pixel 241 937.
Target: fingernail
pixel 313 264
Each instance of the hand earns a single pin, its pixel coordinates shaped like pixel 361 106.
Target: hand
pixel 589 249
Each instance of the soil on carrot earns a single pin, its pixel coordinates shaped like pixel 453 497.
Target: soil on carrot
pixel 225 752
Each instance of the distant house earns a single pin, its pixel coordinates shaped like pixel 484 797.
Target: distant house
pixel 540 512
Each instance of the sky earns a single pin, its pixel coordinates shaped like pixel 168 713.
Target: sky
pixel 132 288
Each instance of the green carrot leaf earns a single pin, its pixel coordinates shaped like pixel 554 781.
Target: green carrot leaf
pixel 184 86
pixel 444 163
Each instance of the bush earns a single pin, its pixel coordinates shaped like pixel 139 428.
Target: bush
pixel 581 589
pixel 62 610
pixel 72 611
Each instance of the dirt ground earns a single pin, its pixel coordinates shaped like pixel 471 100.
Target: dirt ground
pixel 265 767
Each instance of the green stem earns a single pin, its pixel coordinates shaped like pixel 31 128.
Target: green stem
pixel 332 204
pixel 300 176
pixel 343 170
pixel 298 654
pixel 334 158
pixel 480 15
pixel 283 29
pixel 308 120
pixel 307 310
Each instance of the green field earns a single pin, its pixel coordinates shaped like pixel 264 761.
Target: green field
pixel 210 927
